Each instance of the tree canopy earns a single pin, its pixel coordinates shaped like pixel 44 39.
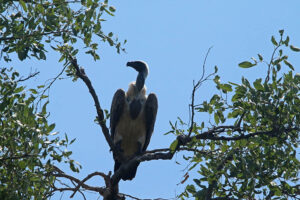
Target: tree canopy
pixel 254 135
pixel 246 150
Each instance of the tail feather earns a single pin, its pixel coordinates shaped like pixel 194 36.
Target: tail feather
pixel 129 174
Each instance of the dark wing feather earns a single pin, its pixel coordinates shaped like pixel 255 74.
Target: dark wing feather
pixel 116 110
pixel 151 106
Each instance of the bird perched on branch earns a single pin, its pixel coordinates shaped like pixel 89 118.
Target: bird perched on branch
pixel 132 119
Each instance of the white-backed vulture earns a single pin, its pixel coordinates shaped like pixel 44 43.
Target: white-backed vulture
pixel 132 119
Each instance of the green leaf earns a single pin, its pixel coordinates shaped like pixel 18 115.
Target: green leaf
pixel 44 108
pixel 216 69
pixel 22 55
pixel 257 84
pixel 191 189
pixel 112 9
pixel 19 89
pixel 54 133
pixel 224 147
pixel 286 42
pixel 274 41
pixel 293 48
pixel 42 55
pixel 174 145
pixel 289 64
pixel 217 79
pixel 193 166
pixel 235 84
pixel 260 57
pixel 216 117
pixel 281 32
pixel 44 97
pixel 72 140
pixel 246 64
pixel 226 87
pixel 41 86
pixel 61 58
pixel 51 127
pixel 22 164
pixel 33 91
pixel 110 41
pixel 23 5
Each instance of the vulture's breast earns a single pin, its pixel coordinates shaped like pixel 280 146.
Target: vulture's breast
pixel 131 128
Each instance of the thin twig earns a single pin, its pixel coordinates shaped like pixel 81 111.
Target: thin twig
pixel 87 178
pixel 271 60
pixel 28 77
pixel 100 190
pixel 195 87
pixel 51 83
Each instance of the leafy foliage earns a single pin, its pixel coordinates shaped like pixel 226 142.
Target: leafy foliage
pixel 27 25
pixel 28 145
pixel 253 139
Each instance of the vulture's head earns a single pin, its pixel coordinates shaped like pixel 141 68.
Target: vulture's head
pixel 142 68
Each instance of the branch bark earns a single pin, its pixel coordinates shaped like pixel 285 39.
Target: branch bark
pixel 81 74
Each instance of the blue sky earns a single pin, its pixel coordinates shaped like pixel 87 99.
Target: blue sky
pixel 172 37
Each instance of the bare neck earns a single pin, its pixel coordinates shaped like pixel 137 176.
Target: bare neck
pixel 133 92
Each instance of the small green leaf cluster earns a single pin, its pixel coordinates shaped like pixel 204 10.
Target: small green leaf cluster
pixel 251 146
pixel 28 144
pixel 25 26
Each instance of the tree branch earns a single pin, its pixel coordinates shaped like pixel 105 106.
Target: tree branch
pixel 59 173
pixel 195 87
pixel 180 149
pixel 50 84
pixel 271 60
pixel 31 75
pixel 81 74
pixel 87 178
pixel 34 34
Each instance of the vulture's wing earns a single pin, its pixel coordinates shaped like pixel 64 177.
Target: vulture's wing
pixel 150 115
pixel 116 110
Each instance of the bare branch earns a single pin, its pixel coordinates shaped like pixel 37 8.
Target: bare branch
pixel 87 178
pixel 50 84
pixel 31 75
pixel 81 74
pixel 59 173
pixel 210 134
pixel 180 149
pixel 195 87
pixel 184 140
pixel 132 197
pixel 53 80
